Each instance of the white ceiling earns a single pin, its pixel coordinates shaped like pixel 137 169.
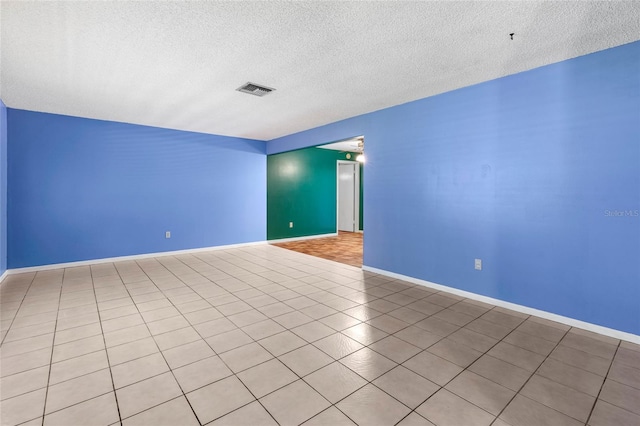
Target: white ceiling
pixel 351 145
pixel 177 64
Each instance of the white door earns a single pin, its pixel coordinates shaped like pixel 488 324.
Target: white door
pixel 347 196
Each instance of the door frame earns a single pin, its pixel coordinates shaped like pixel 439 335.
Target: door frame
pixel 356 201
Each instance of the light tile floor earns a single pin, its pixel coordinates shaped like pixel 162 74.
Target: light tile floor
pixel 265 336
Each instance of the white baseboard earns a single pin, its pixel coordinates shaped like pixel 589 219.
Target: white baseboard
pixel 622 335
pixel 124 258
pixel 308 237
pixel 4 275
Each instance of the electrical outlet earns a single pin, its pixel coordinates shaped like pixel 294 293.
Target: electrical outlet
pixel 290 224
pixel 167 234
pixel 478 264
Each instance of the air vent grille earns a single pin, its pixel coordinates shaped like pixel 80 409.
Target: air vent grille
pixel 255 89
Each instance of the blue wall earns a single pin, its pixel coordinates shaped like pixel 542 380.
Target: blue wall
pixel 525 172
pixel 3 187
pixel 86 189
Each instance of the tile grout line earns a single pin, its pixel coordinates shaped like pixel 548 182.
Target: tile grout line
pixel 235 374
pixel 298 376
pixel 158 347
pixel 463 369
pixel 529 378
pixel 240 380
pixel 604 381
pixel 502 341
pixel 53 340
pixel 370 382
pixel 104 342
pixel 18 310
pixel 223 316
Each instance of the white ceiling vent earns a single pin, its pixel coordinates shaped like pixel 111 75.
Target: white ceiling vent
pixel 255 89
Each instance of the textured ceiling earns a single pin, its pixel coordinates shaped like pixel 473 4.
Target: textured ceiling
pixel 351 145
pixel 177 64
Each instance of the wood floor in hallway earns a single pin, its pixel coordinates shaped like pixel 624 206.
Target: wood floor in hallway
pixel 346 247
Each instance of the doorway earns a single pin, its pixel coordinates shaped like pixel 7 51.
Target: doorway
pixel 348 196
pixel 314 200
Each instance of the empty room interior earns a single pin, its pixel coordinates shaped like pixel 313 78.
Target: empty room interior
pixel 320 213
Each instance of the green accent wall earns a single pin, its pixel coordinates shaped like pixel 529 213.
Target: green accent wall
pixel 301 188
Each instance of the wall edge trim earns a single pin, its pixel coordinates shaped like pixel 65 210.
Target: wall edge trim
pixel 611 332
pixel 4 275
pixel 123 258
pixel 308 237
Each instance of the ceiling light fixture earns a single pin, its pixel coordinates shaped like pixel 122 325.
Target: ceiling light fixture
pixel 360 157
